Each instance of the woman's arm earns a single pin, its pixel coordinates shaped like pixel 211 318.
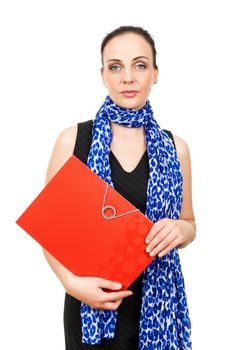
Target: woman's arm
pixel 63 274
pixel 186 219
pixel 86 289
pixel 167 233
pixel 62 151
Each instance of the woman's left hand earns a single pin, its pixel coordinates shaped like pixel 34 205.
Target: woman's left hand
pixel 166 234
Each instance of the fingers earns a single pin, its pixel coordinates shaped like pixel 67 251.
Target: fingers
pixel 103 283
pixel 111 306
pixel 114 296
pixel 167 241
pixel 169 248
pixel 156 228
pixel 108 304
pixel 110 300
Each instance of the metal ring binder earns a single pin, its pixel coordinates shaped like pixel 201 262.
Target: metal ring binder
pixel 104 207
pixel 113 209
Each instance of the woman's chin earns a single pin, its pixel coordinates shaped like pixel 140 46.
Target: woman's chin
pixel 132 103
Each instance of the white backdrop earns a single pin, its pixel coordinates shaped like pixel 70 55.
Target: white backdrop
pixel 50 79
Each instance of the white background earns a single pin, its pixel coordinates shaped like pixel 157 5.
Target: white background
pixel 50 79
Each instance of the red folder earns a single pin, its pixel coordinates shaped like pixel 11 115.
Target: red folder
pixel 88 226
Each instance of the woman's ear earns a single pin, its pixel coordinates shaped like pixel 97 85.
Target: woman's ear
pixel 156 75
pixel 102 75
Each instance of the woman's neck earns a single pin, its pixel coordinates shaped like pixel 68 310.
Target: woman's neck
pixel 125 132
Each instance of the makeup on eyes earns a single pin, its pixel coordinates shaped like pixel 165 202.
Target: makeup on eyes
pixel 117 65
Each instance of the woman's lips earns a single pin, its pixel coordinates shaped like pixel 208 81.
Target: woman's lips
pixel 129 94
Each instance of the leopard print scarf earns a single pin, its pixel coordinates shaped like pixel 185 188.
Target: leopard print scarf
pixel 164 318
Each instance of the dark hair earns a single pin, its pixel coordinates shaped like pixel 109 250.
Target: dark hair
pixel 130 29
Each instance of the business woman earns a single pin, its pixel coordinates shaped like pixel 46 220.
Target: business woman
pixel 150 166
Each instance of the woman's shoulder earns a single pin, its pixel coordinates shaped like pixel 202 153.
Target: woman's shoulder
pixel 184 156
pixel 67 136
pixel 62 150
pixel 66 139
pixel 181 146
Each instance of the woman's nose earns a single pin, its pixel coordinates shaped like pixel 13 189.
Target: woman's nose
pixel 128 76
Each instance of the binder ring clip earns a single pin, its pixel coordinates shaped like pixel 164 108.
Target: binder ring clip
pixel 110 207
pixel 113 209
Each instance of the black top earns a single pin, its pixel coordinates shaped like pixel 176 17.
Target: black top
pixel 133 186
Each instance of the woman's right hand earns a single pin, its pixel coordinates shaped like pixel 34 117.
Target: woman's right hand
pixel 89 291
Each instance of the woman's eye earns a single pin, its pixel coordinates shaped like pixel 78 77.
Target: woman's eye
pixel 114 67
pixel 142 65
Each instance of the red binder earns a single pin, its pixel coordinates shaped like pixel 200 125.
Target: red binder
pixel 88 226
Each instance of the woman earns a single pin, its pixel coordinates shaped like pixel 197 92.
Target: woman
pixel 150 167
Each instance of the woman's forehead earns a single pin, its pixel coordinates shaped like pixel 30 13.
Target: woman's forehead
pixel 127 46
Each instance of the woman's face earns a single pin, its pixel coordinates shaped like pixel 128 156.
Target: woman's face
pixel 124 69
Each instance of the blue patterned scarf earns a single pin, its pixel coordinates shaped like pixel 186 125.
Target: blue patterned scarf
pixel 164 318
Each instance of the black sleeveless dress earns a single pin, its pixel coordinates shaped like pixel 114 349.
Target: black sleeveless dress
pixel 133 186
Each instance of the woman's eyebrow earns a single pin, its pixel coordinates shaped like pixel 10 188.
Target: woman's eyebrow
pixel 135 58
